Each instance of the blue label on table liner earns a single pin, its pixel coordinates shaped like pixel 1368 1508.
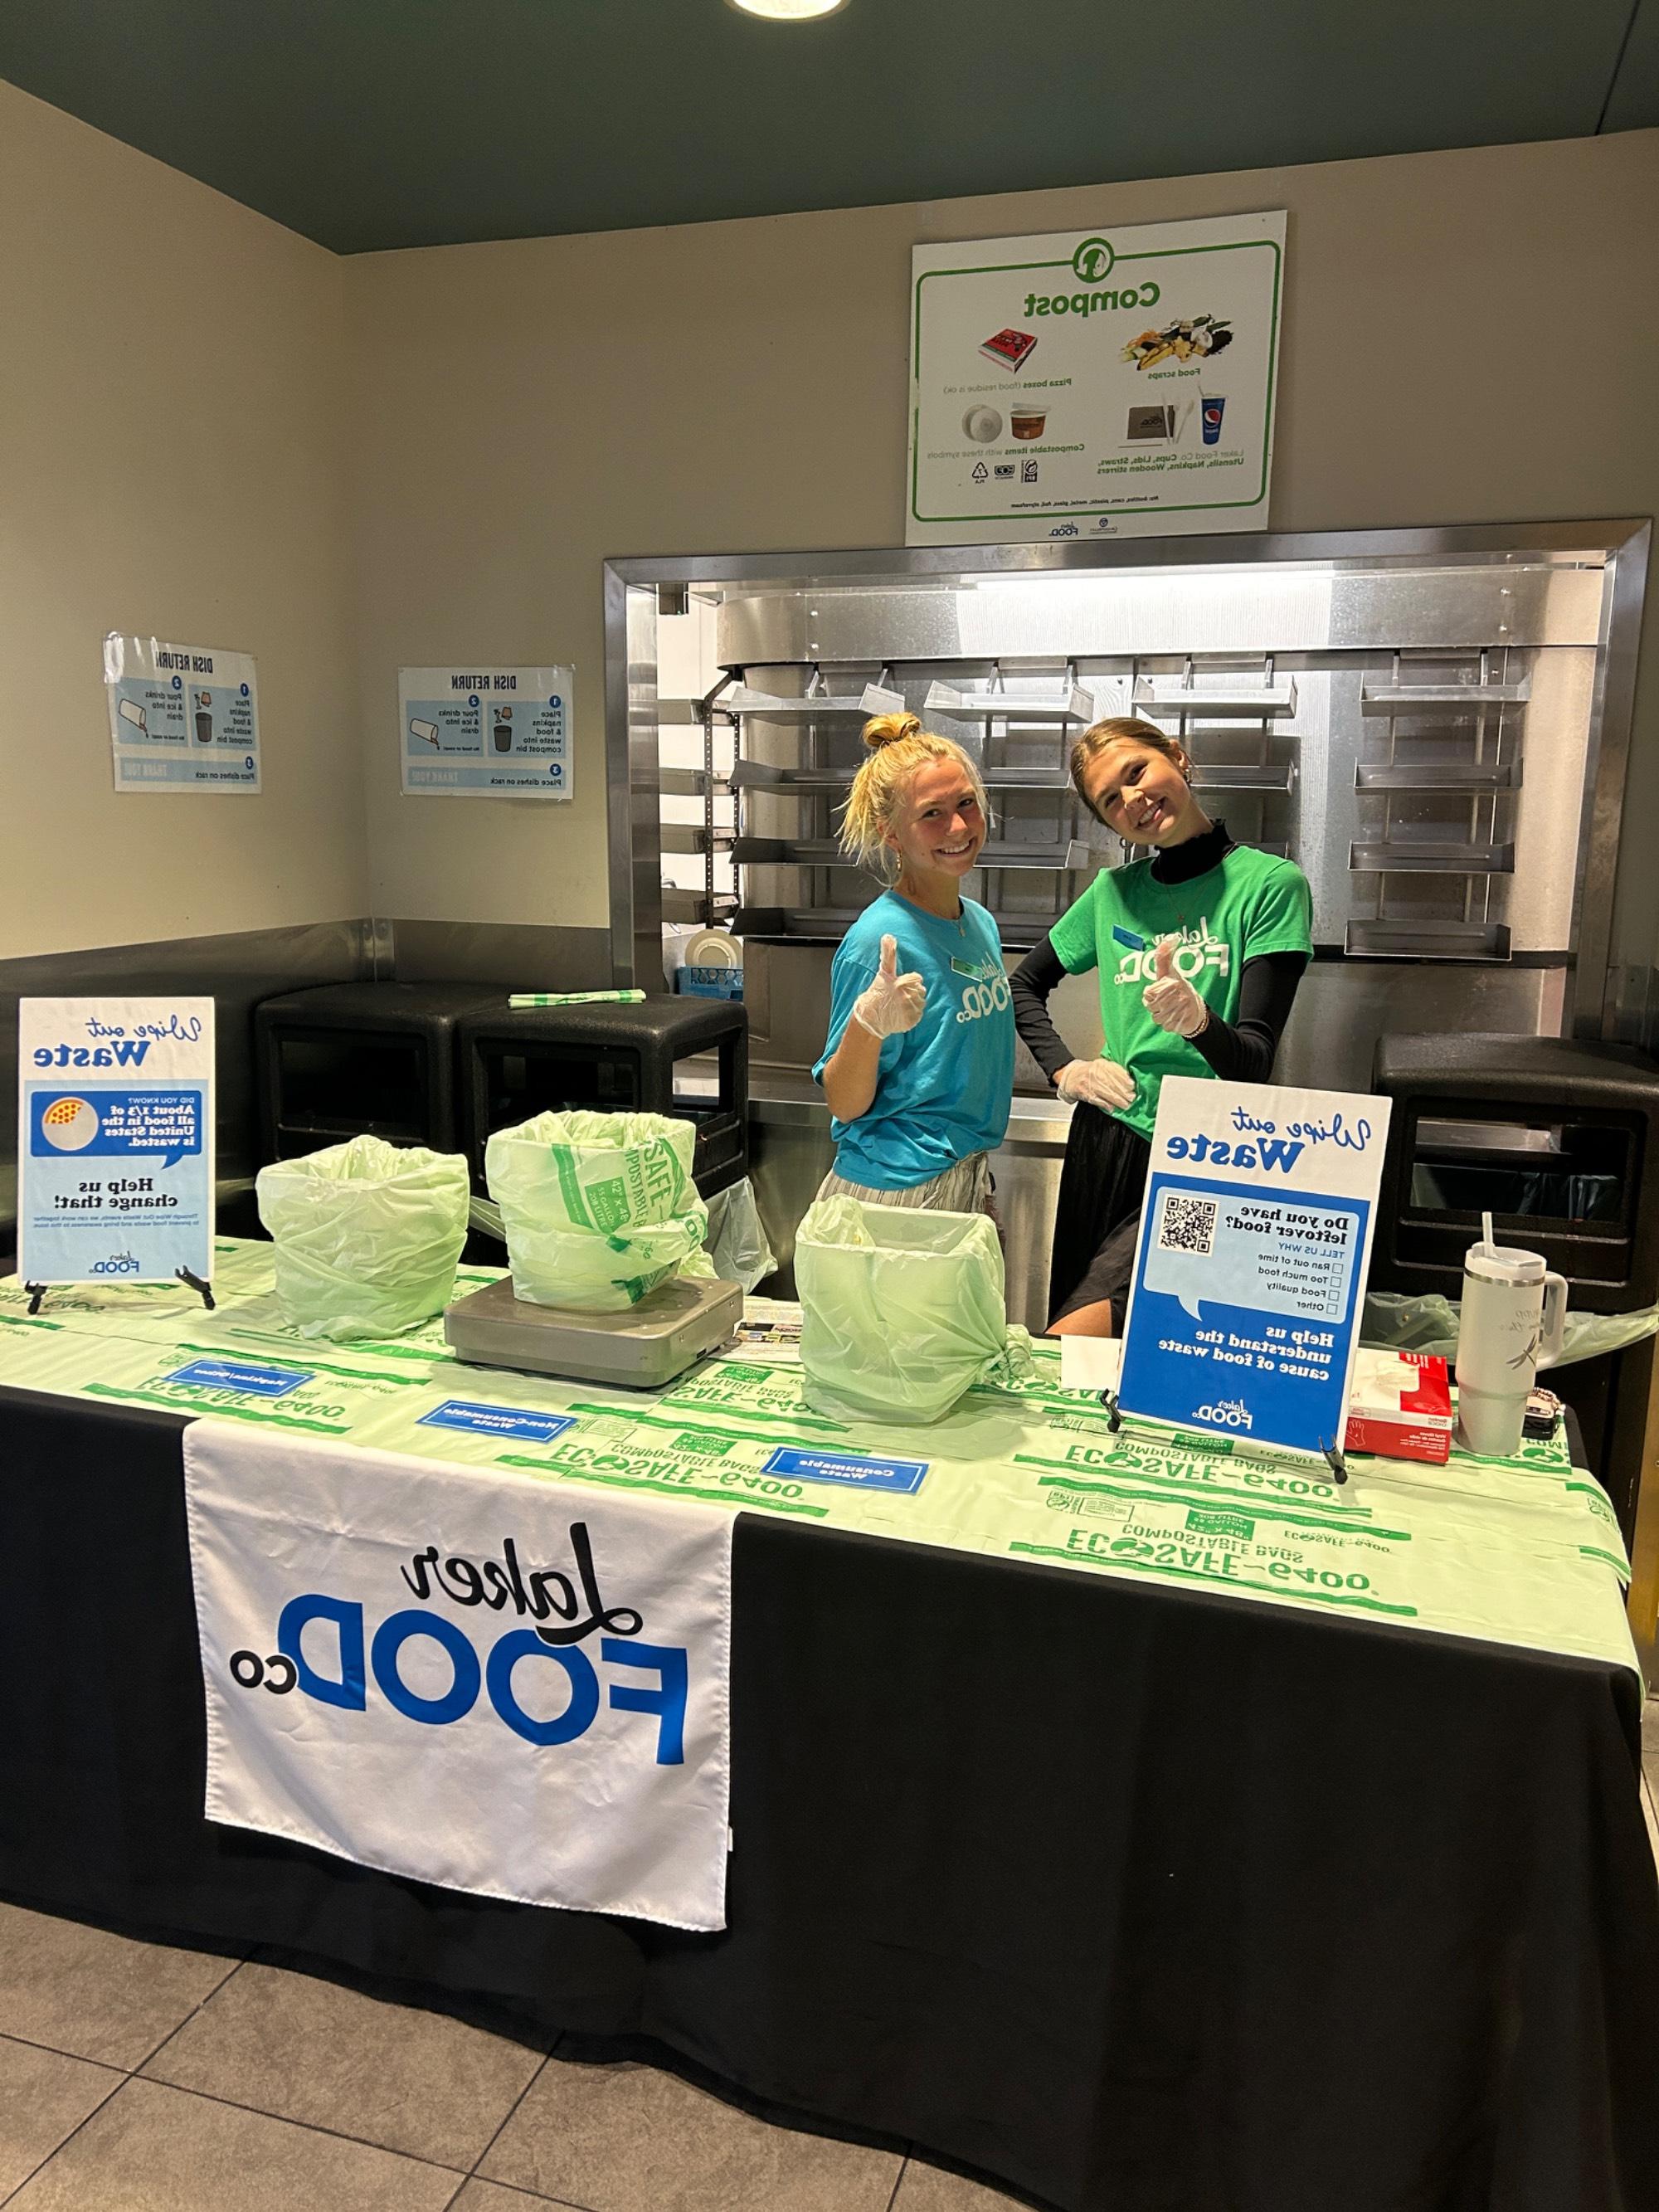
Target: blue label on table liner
pixel 497 1421
pixel 241 1375
pixel 834 1467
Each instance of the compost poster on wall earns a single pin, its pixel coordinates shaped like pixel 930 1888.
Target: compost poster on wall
pixel 1256 1239
pixel 486 732
pixel 1114 383
pixel 115 1140
pixel 181 717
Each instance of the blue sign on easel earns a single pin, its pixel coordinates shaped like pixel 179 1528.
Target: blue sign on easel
pixel 1256 1240
pixel 115 1140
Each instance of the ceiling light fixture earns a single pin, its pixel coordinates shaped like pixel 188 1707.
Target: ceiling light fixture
pixel 787 11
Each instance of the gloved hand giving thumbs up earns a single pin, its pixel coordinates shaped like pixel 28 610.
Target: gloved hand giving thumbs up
pixel 893 1002
pixel 1172 1003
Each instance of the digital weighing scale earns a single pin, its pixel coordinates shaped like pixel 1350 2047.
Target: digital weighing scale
pixel 641 1349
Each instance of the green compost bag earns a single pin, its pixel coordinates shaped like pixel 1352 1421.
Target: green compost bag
pixel 599 1210
pixel 1395 1321
pixel 902 1311
pixel 366 1235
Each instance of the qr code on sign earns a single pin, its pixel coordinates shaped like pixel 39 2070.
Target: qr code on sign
pixel 1189 1224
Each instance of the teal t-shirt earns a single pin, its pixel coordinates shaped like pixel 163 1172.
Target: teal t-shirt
pixel 945 1086
pixel 1247 904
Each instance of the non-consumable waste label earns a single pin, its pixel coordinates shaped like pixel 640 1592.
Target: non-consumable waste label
pixel 498 1421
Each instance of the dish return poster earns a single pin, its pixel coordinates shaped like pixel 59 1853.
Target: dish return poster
pixel 115 1139
pixel 1250 1270
pixel 1106 383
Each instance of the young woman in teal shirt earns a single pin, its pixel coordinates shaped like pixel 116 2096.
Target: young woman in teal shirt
pixel 918 1069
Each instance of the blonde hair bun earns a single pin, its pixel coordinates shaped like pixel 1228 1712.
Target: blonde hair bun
pixel 890 730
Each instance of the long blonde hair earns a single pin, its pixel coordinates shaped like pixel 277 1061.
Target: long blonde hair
pixel 898 747
pixel 1119 730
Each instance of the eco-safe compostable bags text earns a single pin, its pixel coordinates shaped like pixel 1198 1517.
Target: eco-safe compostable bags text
pixel 366 1235
pixel 598 1209
pixel 902 1311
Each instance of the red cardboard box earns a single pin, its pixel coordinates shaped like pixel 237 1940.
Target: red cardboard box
pixel 1401 1407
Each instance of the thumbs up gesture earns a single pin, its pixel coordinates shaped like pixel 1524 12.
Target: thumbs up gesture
pixel 1173 1003
pixel 893 1002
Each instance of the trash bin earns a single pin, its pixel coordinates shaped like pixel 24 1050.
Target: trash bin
pixel 903 1310
pixel 345 1060
pixel 1559 1139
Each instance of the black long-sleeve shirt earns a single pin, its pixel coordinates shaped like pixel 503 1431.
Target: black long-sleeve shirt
pixel 1239 1052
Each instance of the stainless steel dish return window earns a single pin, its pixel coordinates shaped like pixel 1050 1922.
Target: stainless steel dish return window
pixel 1433 724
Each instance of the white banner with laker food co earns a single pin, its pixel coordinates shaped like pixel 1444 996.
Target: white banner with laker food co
pixel 507 1687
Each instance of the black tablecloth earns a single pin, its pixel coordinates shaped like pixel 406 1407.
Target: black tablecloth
pixel 1138 1901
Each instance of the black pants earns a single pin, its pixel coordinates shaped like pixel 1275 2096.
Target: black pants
pixel 1097 1220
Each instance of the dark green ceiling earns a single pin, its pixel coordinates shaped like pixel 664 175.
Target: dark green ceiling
pixel 384 123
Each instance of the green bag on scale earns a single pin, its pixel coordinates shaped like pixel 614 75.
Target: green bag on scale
pixel 599 1210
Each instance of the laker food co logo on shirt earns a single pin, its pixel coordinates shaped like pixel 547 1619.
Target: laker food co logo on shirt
pixel 1196 949
pixel 987 988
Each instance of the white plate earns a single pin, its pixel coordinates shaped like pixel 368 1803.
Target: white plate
pixel 714 948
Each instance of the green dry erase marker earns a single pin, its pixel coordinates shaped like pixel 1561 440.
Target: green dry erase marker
pixel 576 999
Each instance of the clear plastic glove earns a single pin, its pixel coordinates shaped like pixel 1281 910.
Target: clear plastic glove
pixel 1172 1003
pixel 1100 1083
pixel 893 1002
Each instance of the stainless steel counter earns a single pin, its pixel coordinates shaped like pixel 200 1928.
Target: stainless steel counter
pixel 790 1153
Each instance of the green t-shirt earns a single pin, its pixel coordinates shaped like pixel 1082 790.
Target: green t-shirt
pixel 1247 904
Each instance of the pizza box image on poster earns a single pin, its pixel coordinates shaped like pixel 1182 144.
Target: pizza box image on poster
pixel 486 732
pixel 1256 1240
pixel 1116 383
pixel 181 717
pixel 115 1140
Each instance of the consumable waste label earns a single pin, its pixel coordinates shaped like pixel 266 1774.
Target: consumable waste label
pixel 241 1375
pixel 904 1475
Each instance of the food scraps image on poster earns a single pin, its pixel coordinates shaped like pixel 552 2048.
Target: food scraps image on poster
pixel 1196 340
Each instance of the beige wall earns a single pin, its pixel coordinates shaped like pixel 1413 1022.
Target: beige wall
pixel 172 419
pixel 219 431
pixel 1469 336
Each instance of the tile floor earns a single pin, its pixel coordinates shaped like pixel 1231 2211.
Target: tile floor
pixel 136 2078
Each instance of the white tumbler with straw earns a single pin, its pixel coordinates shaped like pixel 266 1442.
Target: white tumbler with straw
pixel 1515 1315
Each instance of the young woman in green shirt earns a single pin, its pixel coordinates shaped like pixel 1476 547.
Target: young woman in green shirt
pixel 1199 949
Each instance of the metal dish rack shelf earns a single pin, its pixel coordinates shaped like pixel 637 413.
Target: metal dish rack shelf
pixel 1001 713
